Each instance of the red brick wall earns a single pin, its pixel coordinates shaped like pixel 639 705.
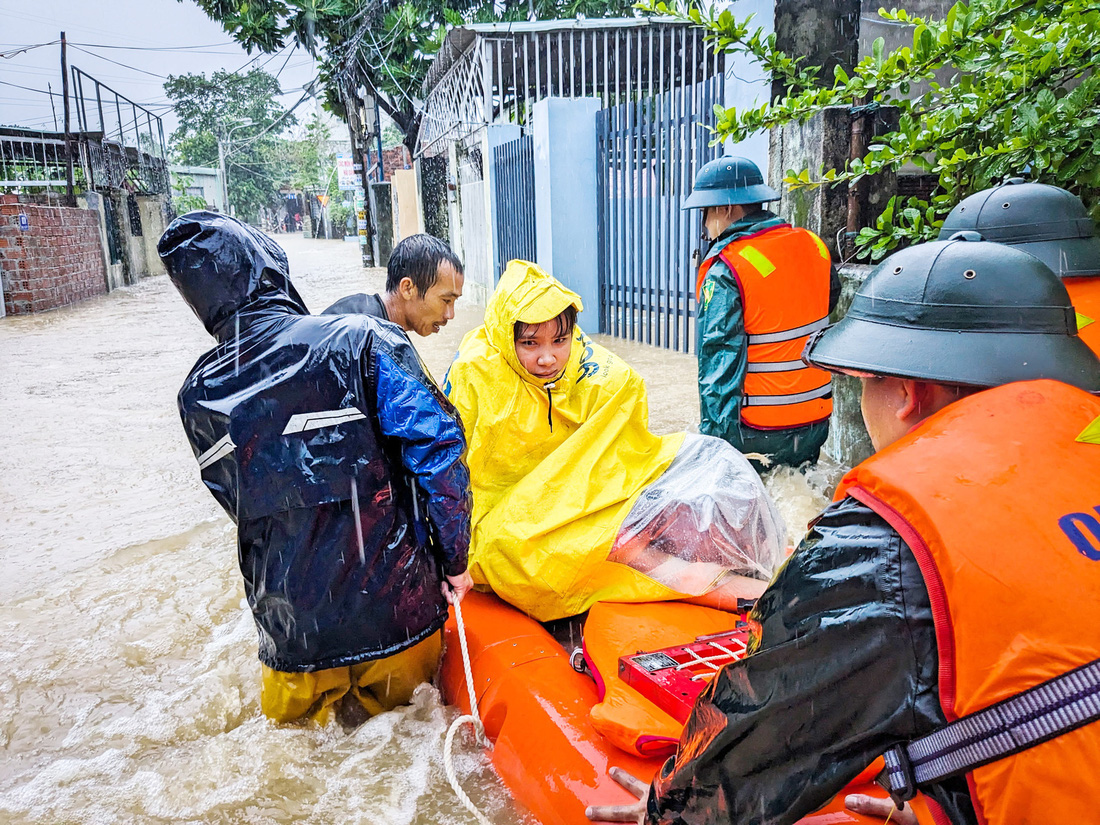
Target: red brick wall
pixel 55 262
pixel 395 158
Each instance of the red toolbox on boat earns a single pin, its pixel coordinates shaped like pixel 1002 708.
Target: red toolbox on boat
pixel 673 677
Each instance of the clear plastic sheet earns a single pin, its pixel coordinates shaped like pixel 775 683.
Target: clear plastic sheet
pixel 707 517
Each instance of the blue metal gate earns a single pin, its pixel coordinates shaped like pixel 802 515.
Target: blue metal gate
pixel 649 151
pixel 515 200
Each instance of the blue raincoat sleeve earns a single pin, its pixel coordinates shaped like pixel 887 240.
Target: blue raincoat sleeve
pixel 844 666
pixel 412 411
pixel 723 354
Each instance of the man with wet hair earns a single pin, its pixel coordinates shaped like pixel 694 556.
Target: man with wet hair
pixel 953 579
pixel 424 279
pixel 340 462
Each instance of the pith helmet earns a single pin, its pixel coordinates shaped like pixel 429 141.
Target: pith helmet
pixel 729 181
pixel 1045 221
pixel 960 312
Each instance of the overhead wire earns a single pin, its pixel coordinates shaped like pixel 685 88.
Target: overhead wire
pixel 117 63
pixel 10 53
pixel 154 48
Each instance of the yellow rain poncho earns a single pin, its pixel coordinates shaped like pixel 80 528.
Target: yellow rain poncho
pixel 555 467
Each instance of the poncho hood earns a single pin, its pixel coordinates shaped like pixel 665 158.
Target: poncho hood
pixel 528 294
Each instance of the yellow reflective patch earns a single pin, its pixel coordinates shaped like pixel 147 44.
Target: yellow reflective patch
pixel 1091 433
pixel 755 257
pixel 824 250
pixel 1083 321
pixel 708 292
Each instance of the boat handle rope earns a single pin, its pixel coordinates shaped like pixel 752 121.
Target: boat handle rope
pixel 473 718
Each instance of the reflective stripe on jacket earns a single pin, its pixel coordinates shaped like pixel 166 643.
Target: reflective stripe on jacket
pixel 782 275
pixel 1013 590
pixel 1085 294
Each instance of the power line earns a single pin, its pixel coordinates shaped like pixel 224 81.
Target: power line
pixel 10 53
pixel 123 65
pixel 155 48
pixel 29 89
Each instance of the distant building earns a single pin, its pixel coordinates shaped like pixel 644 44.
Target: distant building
pixel 200 181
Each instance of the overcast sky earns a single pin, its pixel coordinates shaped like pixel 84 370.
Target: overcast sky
pixel 141 25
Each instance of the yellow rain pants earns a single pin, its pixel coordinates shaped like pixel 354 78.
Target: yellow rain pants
pixel 555 466
pixel 378 685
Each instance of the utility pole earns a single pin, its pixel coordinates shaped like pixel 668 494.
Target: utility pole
pixel 221 170
pixel 53 108
pixel 70 200
pixel 358 146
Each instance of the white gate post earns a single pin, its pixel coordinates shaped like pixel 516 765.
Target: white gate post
pixel 565 197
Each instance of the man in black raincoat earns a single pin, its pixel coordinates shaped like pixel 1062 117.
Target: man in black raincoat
pixel 844 662
pixel 341 464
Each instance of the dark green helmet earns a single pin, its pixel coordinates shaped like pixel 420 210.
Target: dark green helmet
pixel 962 311
pixel 729 181
pixel 1045 221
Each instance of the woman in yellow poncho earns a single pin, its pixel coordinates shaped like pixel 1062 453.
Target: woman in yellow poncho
pixel 559 452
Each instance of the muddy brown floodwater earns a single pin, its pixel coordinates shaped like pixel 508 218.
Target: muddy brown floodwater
pixel 129 688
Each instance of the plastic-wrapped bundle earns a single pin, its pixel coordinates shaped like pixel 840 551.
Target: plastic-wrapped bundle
pixel 706 518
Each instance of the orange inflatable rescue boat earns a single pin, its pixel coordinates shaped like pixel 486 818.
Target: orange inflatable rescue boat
pixel 556 731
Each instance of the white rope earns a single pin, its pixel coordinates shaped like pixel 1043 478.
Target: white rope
pixel 473 718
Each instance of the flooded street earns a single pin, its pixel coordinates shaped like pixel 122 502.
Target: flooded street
pixel 128 673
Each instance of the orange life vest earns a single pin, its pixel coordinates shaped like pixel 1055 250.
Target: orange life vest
pixel 998 496
pixel 782 275
pixel 1085 294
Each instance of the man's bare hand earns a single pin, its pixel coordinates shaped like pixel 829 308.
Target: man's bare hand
pixel 456 587
pixel 870 806
pixel 634 812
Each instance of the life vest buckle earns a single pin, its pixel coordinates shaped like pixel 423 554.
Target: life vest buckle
pixel 897 778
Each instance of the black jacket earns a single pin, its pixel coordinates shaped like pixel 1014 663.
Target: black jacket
pixel 339 460
pixel 844 666
pixel 359 304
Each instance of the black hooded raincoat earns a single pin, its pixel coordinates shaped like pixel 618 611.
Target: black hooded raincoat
pixel 331 449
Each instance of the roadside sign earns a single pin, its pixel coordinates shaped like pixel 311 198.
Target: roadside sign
pixel 345 172
pixel 24 222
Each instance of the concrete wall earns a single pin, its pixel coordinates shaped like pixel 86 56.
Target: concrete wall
pixel 848 442
pixel 152 211
pixel 824 142
pixel 565 196
pixel 381 205
pixel 54 262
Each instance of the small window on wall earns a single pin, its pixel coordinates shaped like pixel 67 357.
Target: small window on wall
pixel 135 215
pixel 195 191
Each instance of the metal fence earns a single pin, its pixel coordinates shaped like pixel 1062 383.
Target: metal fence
pixel 122 141
pixel 31 160
pixel 515 200
pixel 649 151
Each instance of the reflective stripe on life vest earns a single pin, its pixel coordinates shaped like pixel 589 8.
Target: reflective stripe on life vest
pixel 783 277
pixel 998 497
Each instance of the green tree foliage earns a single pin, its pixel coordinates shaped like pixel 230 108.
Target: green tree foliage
pixel 240 109
pixel 312 161
pixel 995 88
pixel 381 46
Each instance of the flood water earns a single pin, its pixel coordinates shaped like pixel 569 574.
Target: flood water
pixel 129 684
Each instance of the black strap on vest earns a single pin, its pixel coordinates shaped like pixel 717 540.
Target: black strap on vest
pixel 1040 713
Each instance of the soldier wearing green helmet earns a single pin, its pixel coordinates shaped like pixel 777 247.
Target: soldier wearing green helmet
pixel 906 607
pixel 1049 223
pixel 763 287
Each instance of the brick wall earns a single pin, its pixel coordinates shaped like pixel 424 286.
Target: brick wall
pixel 55 262
pixel 393 159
